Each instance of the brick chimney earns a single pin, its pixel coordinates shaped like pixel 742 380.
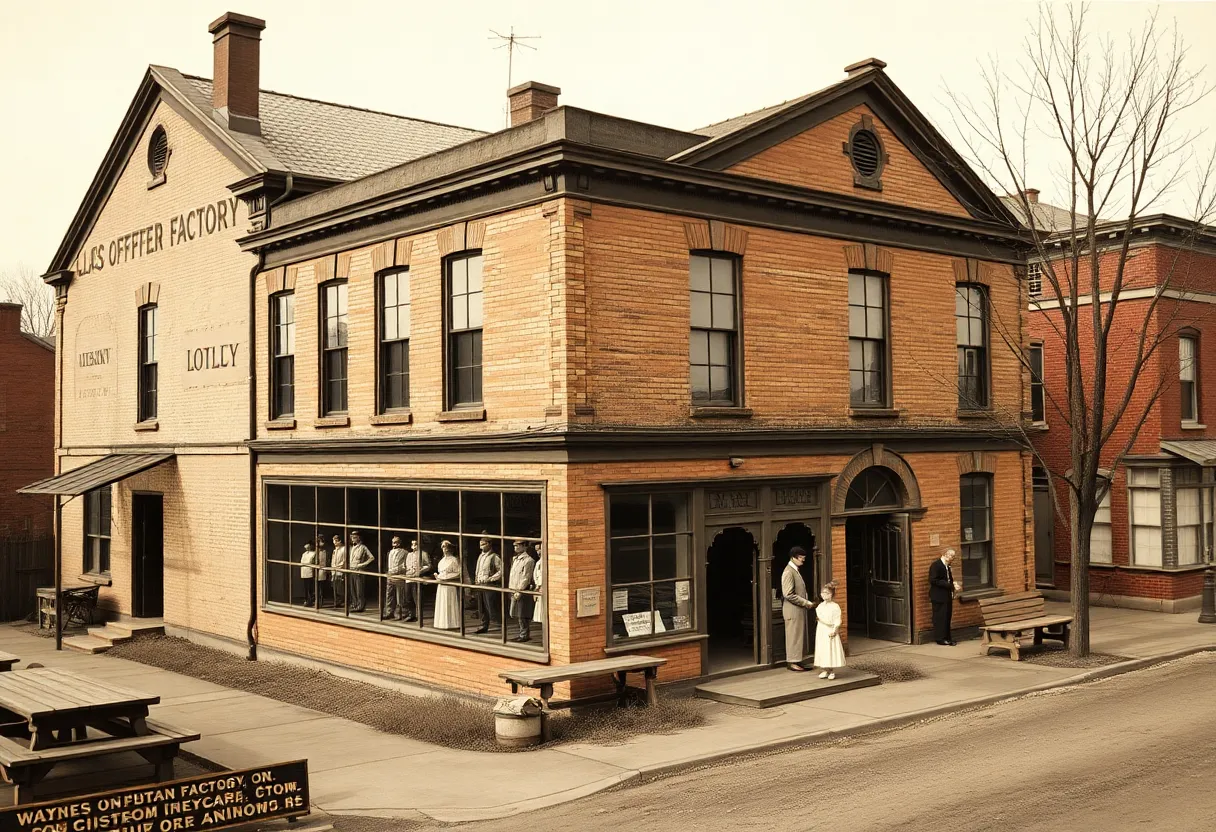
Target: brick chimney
pixel 10 318
pixel 865 65
pixel 1032 195
pixel 530 100
pixel 235 84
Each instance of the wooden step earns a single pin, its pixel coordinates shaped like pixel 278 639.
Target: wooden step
pixel 120 631
pixel 87 644
pixel 770 688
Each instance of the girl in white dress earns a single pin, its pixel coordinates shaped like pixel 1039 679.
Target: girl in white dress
pixel 829 649
pixel 447 598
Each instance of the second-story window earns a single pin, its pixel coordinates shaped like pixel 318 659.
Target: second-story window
pixel 1188 357
pixel 147 363
pixel 1038 405
pixel 283 354
pixel 464 321
pixel 971 330
pixel 333 353
pixel 1034 279
pixel 867 340
pixel 395 340
pixel 713 345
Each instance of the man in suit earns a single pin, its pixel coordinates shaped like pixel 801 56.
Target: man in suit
pixel 942 587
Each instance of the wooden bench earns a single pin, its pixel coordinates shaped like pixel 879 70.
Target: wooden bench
pixel 544 678
pixel 7 660
pixel 1010 618
pixel 25 768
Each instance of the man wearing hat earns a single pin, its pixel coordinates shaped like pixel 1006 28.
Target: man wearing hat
pixel 794 606
pixel 521 579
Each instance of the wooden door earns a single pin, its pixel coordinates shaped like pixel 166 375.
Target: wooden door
pixel 148 556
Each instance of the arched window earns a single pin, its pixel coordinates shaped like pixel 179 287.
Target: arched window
pixel 875 487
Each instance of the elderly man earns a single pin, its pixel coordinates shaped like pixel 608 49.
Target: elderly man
pixel 942 587
pixel 794 607
pixel 487 573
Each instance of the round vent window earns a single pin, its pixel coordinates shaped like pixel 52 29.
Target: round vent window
pixel 158 152
pixel 865 153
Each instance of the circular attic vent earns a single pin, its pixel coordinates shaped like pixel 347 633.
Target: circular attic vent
pixel 158 152
pixel 865 153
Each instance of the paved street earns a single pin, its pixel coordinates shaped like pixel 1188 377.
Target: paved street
pixel 1124 753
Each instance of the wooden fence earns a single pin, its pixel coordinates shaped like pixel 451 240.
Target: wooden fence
pixel 25 565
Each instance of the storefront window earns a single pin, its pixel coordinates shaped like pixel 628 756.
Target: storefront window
pixel 465 563
pixel 1189 517
pixel 650 564
pixel 1144 487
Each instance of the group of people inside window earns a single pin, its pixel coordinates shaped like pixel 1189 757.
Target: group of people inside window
pixel 463 317
pixel 462 562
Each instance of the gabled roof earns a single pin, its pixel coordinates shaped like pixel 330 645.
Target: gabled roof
pixel 1047 217
pixel 300 136
pixel 735 139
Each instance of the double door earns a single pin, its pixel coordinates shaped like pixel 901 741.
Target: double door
pixel 879 590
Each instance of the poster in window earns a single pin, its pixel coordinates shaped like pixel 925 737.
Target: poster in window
pixel 620 600
pixel 682 591
pixel 639 623
pixel 680 622
pixel 968 534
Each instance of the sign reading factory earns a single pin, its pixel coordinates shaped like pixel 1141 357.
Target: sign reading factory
pixel 193 224
pixel 209 802
pixel 215 355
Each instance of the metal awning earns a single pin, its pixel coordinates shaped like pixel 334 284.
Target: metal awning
pixel 108 469
pixel 1199 451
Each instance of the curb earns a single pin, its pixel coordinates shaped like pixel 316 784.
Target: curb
pixel 887 723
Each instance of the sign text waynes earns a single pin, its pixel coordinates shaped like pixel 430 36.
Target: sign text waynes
pixel 199 804
pixel 186 226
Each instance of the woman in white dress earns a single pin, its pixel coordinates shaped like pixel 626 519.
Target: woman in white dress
pixel 829 649
pixel 447 598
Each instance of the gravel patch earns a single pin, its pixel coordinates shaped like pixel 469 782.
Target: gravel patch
pixel 1055 655
pixel 889 670
pixel 446 720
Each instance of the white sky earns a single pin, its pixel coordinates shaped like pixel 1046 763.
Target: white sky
pixel 69 68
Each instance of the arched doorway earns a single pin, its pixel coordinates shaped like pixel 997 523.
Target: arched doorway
pixel 877 555
pixel 791 535
pixel 730 578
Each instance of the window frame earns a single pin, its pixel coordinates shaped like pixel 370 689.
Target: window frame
pixel 1039 416
pixel 450 378
pixel 92 557
pixel 989 542
pixel 1104 503
pixel 884 351
pixel 323 351
pixel 984 376
pixel 382 375
pixel 148 396
pixel 276 358
pixel 735 334
pixel 1132 523
pixel 1034 276
pixel 1191 336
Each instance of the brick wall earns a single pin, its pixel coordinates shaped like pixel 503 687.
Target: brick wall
pixel 27 416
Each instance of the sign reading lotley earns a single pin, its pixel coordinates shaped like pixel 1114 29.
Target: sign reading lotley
pixel 209 802
pixel 215 355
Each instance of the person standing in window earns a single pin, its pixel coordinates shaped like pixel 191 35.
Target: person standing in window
pixel 447 598
pixel 338 564
pixel 360 558
pixel 417 565
pixel 488 573
pixel 794 608
pixel 521 581
pixel 307 561
pixel 942 587
pixel 323 573
pixel 538 580
pixel 396 588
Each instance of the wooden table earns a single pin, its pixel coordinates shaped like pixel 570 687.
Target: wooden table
pixel 7 660
pixel 58 705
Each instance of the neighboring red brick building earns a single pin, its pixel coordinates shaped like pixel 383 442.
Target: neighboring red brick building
pixel 1153 534
pixel 27 425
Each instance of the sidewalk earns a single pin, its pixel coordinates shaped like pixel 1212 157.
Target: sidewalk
pixel 357 770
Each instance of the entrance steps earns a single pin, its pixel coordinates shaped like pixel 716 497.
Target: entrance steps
pixel 770 688
pixel 101 639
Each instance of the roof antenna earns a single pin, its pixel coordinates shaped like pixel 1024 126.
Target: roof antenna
pixel 509 42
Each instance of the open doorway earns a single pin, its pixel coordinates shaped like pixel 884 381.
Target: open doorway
pixel 730 573
pixel 791 535
pixel 148 556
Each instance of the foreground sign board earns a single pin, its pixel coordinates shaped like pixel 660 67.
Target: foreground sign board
pixel 211 801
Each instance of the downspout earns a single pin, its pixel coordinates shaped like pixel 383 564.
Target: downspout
pixel 251 629
pixel 60 310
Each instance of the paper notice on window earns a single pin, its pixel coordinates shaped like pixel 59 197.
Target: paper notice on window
pixel 620 600
pixel 682 590
pixel 680 622
pixel 658 624
pixel 637 623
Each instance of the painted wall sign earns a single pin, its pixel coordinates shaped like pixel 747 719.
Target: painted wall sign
pixel 796 497
pixel 187 226
pixel 734 500
pixel 205 803
pixel 214 355
pixel 95 359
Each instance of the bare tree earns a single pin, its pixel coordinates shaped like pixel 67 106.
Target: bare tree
pixel 23 285
pixel 1108 117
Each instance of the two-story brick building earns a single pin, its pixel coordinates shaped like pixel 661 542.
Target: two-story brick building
pixel 607 374
pixel 1152 537
pixel 27 413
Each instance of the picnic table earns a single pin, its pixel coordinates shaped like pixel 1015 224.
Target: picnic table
pixel 7 660
pixel 46 714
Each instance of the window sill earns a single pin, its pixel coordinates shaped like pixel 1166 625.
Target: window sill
pixel 332 422
pixel 149 424
pixel 281 424
pixel 1193 426
pixel 472 414
pixel 873 413
pixel 720 412
pixel 650 643
pixel 1039 426
pixel 977 594
pixel 974 414
pixel 393 417
pixel 97 578
pixel 156 181
pixel 1167 570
